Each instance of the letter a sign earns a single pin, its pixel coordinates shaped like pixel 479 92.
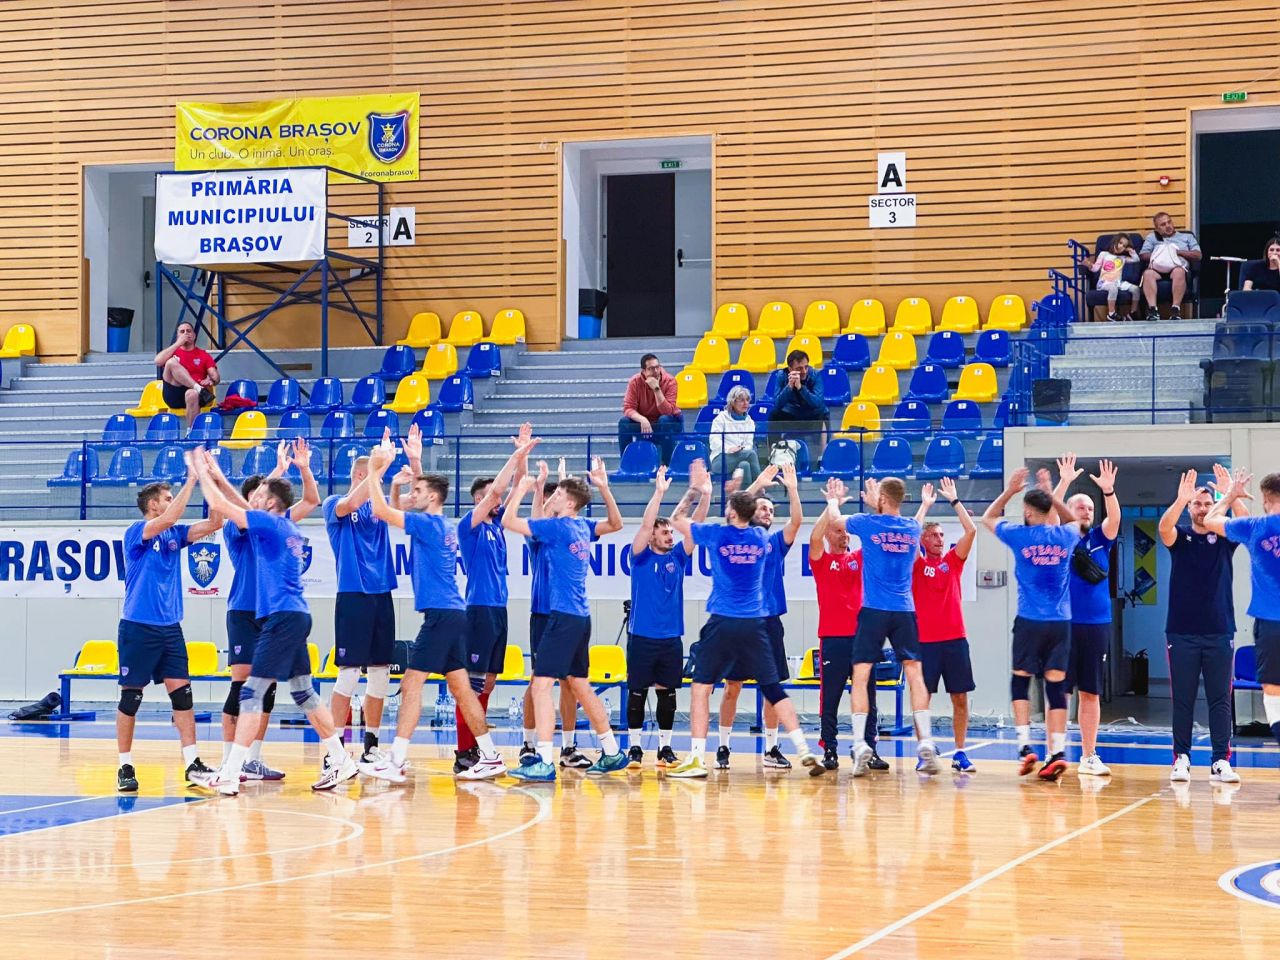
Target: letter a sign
pixel 891 173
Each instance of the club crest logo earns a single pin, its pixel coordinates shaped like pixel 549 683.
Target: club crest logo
pixel 1258 882
pixel 203 560
pixel 306 555
pixel 389 135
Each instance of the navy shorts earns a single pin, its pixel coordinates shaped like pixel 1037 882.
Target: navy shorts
pixel 1040 645
pixel 776 635
pixel 151 654
pixel 364 629
pixel 877 626
pixel 441 643
pixel 1266 648
pixel 537 627
pixel 949 662
pixel 486 639
pixel 654 662
pixel 1089 643
pixel 562 650
pixel 243 630
pixel 281 653
pixel 733 647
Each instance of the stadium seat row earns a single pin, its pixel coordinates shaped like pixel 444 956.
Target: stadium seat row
pixel 867 317
pixel 466 328
pixel 441 360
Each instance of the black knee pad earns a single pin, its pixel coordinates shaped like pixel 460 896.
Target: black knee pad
pixel 269 699
pixel 635 708
pixel 1055 694
pixel 773 692
pixel 231 706
pixel 130 701
pixel 1019 688
pixel 666 709
pixel 181 698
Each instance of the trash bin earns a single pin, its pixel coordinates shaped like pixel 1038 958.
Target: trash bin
pixel 119 321
pixel 1051 401
pixel 591 304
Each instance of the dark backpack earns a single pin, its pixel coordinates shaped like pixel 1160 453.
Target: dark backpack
pixel 40 710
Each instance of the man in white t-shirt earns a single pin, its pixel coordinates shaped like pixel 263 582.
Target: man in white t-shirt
pixel 1167 252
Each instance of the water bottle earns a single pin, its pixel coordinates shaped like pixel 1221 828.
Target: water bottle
pixel 515 711
pixel 357 718
pixel 438 720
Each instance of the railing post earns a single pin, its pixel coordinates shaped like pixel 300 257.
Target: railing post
pixel 1153 380
pixel 84 483
pixel 457 471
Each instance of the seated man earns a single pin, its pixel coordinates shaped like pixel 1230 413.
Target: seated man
pixel 649 408
pixel 189 373
pixel 1167 252
pixel 799 409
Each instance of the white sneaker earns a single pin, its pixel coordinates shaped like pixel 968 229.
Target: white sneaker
pixel 225 782
pixel 1093 766
pixel 1181 772
pixel 370 759
pixel 926 758
pixel 486 768
pixel 385 769
pixel 333 776
pixel 861 759
pixel 1221 772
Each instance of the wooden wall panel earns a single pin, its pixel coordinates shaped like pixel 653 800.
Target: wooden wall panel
pixel 1024 123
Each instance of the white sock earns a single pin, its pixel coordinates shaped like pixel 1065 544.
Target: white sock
pixel 569 739
pixel 698 746
pixel 337 752
pixel 633 738
pixel 664 738
pixel 725 734
pixel 608 743
pixel 235 760
pixel 255 750
pixel 485 743
pixel 1057 743
pixel 924 725
pixel 1024 735
pixel 399 750
pixel 1271 706
pixel 126 758
pixel 797 739
pixel 546 750
pixel 770 738
pixel 226 750
pixel 530 736
pixel 189 754
pixel 859 728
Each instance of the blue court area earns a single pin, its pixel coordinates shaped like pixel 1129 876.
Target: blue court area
pixel 23 813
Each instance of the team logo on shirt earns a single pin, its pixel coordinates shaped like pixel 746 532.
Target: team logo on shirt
pixel 305 555
pixel 1212 538
pixel 203 561
pixel 1258 882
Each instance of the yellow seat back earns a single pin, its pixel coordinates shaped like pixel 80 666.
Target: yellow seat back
pixel 867 318
pixel 960 314
pixel 250 430
pixel 424 330
pixel 606 663
pixel 821 319
pixel 810 344
pixel 330 669
pixel 777 319
pixel 862 415
pixel 711 355
pixel 977 383
pixel 806 671
pixel 202 658
pixel 508 328
pixel 151 402
pixel 897 350
pixel 412 394
pixel 914 315
pixel 512 664
pixel 441 361
pixel 691 389
pixel 879 385
pixel 19 341
pixel 1007 312
pixel 757 355
pixel 97 657
pixel 313 657
pixel 466 329
pixel 731 321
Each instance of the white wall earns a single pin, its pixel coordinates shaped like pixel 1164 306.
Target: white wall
pixel 126 255
pixel 693 236
pixel 96 247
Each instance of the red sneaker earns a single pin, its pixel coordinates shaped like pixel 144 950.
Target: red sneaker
pixel 1029 760
pixel 1055 767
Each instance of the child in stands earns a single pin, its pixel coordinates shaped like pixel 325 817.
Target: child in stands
pixel 1109 266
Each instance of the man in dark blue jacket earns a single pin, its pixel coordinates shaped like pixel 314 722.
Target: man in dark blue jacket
pixel 799 409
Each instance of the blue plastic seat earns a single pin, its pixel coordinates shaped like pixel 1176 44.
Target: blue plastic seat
pixel 892 458
pixel 842 458
pixel 206 428
pixel 226 463
pixel 338 425
pixel 760 415
pixel 456 394
pixel 259 459
pixel 293 424
pixel 283 394
pixel 1005 414
pixel 639 463
pixel 120 428
pixel 484 360
pixel 326 395
pixel 1236 339
pixel 344 458
pixel 1244 669
pixel 81 467
pixel 946 349
pixel 928 384
pixel 397 363
pixel 994 347
pixel 431 422
pixel 687 450
pixel 852 352
pixel 369 394
pixel 911 416
pixel 163 428
pixel 990 463
pixel 170 466
pixel 702 426
pixel 246 389
pixel 835 386
pixel 1050 342
pixel 944 457
pixel 1262 305
pixel 774 383
pixel 381 420
pixel 962 418
pixel 125 468
pixel 734 378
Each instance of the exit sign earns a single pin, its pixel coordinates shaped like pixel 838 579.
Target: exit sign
pixel 670 164
pixel 1235 96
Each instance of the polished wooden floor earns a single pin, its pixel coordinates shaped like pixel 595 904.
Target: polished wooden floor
pixel 743 864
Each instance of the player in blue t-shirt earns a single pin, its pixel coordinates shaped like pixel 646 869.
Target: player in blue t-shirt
pixel 655 641
pixel 775 605
pixel 733 640
pixel 149 637
pixel 281 649
pixel 562 652
pixel 1042 551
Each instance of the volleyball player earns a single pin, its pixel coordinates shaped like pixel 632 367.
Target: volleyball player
pixel 149 636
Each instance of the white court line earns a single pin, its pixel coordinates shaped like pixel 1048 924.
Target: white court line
pixel 544 811
pixel 46 806
pixel 984 879
pixel 970 748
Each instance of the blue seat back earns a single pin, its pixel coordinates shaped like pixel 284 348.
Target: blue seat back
pixel 1245 666
pixel 735 378
pixel 163 428
pixel 835 385
pixel 911 416
pixel 82 464
pixel 962 416
pixel 338 425
pixel 640 459
pixel 991 457
pixel 248 389
pixel 852 352
pixel 456 393
pixel 1005 415
pixel 1261 305
pixel 226 462
pixel 774 383
pixel 380 420
pixel 893 455
pixel 206 427
pixel 946 349
pixel 1242 338
pixel 259 459
pixel 126 463
pixel 687 450
pixel 760 415
pixel 284 394
pixel 431 422
pixel 945 456
pixel 397 363
pixel 994 347
pixel 702 426
pixel 928 383
pixel 326 394
pixel 316 459
pixel 344 458
pixel 842 458
pixel 484 360
pixel 120 428
pixel 170 465
pixel 294 423
pixel 368 394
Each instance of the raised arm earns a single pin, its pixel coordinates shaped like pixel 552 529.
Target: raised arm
pixel 1222 484
pixel 700 482
pixel 202 528
pixel 871 495
pixel 1068 473
pixel 403 477
pixel 965 543
pixel 177 507
pixel 310 489
pixel 928 497
pixel 661 484
pixel 794 504
pixel 612 522
pixel 834 494
pixel 995 512
pixel 1168 527
pixel 762 481
pixel 517 466
pixel 216 476
pixel 358 495
pixel 379 460
pixel 412 445
pixel 511 519
pixel 197 466
pixel 1106 481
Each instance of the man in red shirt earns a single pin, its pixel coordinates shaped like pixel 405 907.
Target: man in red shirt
pixel 837 577
pixel 944 650
pixel 189 373
pixel 649 408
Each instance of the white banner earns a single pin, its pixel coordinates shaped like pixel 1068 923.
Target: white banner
pixel 89 562
pixel 231 216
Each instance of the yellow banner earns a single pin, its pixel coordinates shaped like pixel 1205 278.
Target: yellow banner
pixel 374 135
pixel 1144 561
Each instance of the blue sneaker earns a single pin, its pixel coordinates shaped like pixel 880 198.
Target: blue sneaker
pixel 608 763
pixel 961 763
pixel 534 769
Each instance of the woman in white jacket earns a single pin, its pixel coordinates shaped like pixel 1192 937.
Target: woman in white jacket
pixel 733 441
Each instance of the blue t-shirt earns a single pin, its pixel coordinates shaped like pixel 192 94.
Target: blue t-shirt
pixel 738 556
pixel 539 601
pixel 1091 602
pixel 1262 536
pixel 244 576
pixel 890 546
pixel 657 592
pixel 1201 584
pixel 566 545
pixel 484 558
pixel 435 561
pixel 1042 567
pixel 153 575
pixel 361 549
pixel 277 545
pixel 775 593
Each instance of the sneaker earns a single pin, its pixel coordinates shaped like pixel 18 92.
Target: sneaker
pixel 609 763
pixel 1113 316
pixel 257 770
pixel 465 759
pixel 877 762
pixel 384 768
pixel 1092 766
pixel 722 758
pixel 126 779
pixel 200 775
pixel 774 759
pixel 574 758
pixel 1053 768
pixel 927 758
pixel 528 750
pixel 667 757
pixel 830 758
pixel 226 782
pixel 1153 316
pixel 534 769
pixel 1221 772
pixel 484 768
pixel 1181 772
pixel 1028 760
pixel 635 757
pixel 814 762
pixel 961 763
pixel 861 758
pixel 341 773
pixel 692 767
pixel 1175 312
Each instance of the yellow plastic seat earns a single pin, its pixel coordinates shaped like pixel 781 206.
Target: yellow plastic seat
pixel 731 321
pixel 330 669
pixel 441 361
pixel 19 341
pixel 202 659
pixel 1007 312
pixel 424 330
pixel 898 350
pixel 867 318
pixel 806 673
pixel 412 394
pixel 810 344
pixel 249 431
pixel 960 314
pixel 466 329
pixel 757 355
pixel 508 328
pixel 977 383
pixel 914 315
pixel 863 418
pixel 879 385
pixel 313 657
pixel 691 389
pixel 711 355
pixel 97 658
pixel 151 402
pixel 821 319
pixel 513 664
pixel 776 319
pixel 606 663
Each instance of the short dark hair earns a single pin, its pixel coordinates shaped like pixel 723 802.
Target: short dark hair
pixel 577 491
pixel 148 493
pixel 743 504
pixel 797 356
pixel 644 361
pixel 282 490
pixel 661 522
pixel 549 488
pixel 1270 485
pixel 437 483
pixel 1162 213
pixel 1039 501
pixel 894 489
pixel 251 484
pixel 479 483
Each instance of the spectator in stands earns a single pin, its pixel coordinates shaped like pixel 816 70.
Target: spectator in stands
pixel 1167 252
pixel 1109 266
pixel 649 408
pixel 189 373
pixel 732 442
pixel 1264 274
pixel 799 408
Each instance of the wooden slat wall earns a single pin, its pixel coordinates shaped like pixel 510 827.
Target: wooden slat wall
pixel 1025 122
